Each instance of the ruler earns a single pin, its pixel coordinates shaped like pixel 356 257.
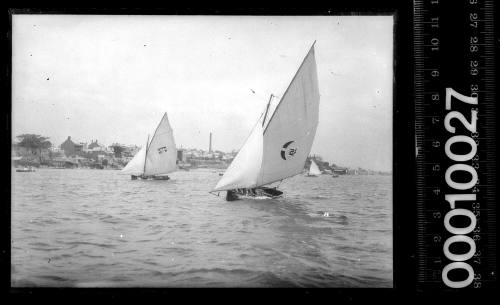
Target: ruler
pixel 455 138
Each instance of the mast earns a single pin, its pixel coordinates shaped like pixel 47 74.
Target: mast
pixel 145 157
pixel 259 161
pixel 267 109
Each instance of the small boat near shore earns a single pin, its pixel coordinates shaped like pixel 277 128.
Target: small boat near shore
pixel 155 177
pixel 313 170
pixel 25 169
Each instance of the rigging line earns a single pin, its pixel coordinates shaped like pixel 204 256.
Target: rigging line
pixel 279 183
pixel 145 156
pixel 263 122
pixel 262 97
pixel 267 109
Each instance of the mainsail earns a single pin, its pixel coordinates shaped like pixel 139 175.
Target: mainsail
pixel 279 149
pixel 158 156
pixel 314 169
pixel 161 154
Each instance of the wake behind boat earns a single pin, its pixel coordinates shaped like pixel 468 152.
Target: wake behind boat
pixel 157 158
pixel 277 148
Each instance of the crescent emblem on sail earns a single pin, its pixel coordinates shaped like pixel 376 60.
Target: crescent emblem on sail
pixel 288 151
pixel 162 149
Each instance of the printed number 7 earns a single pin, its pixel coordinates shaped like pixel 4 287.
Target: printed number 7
pixel 466 99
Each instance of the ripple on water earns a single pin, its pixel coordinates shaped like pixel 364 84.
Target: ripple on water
pixel 86 243
pixel 176 234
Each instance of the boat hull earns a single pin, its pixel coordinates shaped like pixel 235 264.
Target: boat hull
pixel 150 177
pixel 258 193
pixel 160 178
pixel 21 170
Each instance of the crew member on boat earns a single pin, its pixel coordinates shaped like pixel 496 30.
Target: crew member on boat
pixel 231 196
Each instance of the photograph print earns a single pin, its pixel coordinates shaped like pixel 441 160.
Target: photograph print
pixel 202 151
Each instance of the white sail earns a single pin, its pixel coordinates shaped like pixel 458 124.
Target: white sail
pixel 136 165
pixel 245 168
pixel 289 135
pixel 314 169
pixel 161 153
pixel 286 139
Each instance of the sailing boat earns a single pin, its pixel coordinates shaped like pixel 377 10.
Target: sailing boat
pixel 157 158
pixel 279 144
pixel 313 170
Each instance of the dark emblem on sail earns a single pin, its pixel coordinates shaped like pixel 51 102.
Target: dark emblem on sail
pixel 288 151
pixel 162 149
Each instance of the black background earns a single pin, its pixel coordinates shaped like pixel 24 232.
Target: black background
pixel 403 174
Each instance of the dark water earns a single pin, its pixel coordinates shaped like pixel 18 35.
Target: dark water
pixel 88 228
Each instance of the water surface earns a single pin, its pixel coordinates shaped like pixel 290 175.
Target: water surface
pixel 96 228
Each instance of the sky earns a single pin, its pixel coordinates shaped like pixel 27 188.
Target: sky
pixel 112 78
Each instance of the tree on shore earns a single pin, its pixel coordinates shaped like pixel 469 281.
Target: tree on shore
pixel 33 142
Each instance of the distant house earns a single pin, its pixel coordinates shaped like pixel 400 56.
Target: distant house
pixel 94 146
pixel 352 172
pixel 55 152
pixel 340 170
pixel 180 155
pixel 64 163
pixel 128 151
pixel 227 157
pixel 71 148
pixel 109 150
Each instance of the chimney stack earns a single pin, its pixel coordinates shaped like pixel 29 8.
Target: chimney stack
pixel 210 144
